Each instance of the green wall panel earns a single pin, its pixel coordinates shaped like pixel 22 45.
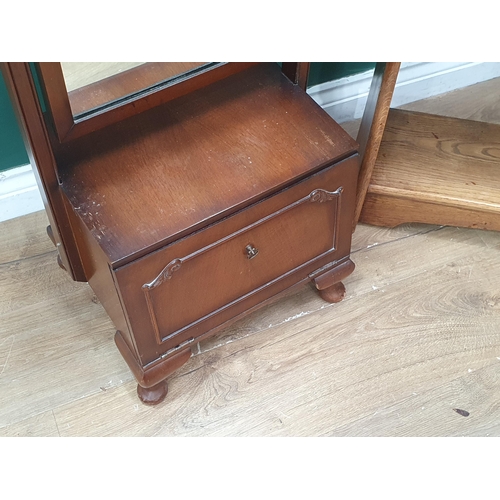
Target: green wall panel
pixel 12 151
pixel 322 72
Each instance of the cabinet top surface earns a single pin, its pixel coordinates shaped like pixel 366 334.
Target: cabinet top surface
pixel 142 183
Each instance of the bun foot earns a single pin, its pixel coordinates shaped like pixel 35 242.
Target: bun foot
pixel 153 395
pixel 334 293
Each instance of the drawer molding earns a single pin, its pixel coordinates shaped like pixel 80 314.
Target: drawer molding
pixel 321 196
pixel 316 196
pixel 166 274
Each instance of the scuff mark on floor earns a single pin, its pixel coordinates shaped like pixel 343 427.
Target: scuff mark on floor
pixel 9 342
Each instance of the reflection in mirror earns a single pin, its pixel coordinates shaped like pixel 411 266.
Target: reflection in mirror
pixel 92 86
pixel 81 74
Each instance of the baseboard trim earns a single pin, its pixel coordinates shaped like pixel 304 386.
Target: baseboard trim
pixel 344 100
pixel 19 194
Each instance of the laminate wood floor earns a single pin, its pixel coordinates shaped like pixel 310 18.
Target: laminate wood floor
pixel 417 337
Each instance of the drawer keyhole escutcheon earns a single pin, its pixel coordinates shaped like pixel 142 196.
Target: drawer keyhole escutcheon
pixel 251 251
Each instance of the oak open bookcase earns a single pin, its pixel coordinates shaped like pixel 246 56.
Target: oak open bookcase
pixel 426 168
pixel 188 195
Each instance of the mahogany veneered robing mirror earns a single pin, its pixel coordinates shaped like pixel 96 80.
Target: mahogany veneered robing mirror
pixel 237 189
pixel 84 97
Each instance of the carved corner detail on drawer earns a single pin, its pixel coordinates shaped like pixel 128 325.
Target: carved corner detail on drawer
pixel 166 274
pixel 320 195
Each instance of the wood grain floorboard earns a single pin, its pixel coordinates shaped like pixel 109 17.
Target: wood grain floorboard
pixel 43 424
pixel 21 239
pixel 367 236
pixel 432 412
pixel 55 342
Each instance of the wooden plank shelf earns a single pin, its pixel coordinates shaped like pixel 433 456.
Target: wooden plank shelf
pixel 436 170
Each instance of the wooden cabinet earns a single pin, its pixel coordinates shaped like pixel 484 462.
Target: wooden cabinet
pixel 203 206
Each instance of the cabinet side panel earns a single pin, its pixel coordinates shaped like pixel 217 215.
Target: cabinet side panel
pixel 22 92
pixel 100 276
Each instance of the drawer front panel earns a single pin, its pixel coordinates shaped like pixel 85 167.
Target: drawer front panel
pixel 174 295
pixel 194 286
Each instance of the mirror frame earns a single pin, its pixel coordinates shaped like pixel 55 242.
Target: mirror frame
pixel 68 127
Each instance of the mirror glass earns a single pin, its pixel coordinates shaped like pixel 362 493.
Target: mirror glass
pixel 95 86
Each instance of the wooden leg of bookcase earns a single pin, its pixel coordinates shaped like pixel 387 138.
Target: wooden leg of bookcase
pixel 373 125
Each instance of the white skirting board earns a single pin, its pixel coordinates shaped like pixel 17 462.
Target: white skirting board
pixel 345 99
pixel 342 99
pixel 19 194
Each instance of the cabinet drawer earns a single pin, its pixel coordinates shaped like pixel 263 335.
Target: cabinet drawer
pixel 198 284
pixel 249 253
